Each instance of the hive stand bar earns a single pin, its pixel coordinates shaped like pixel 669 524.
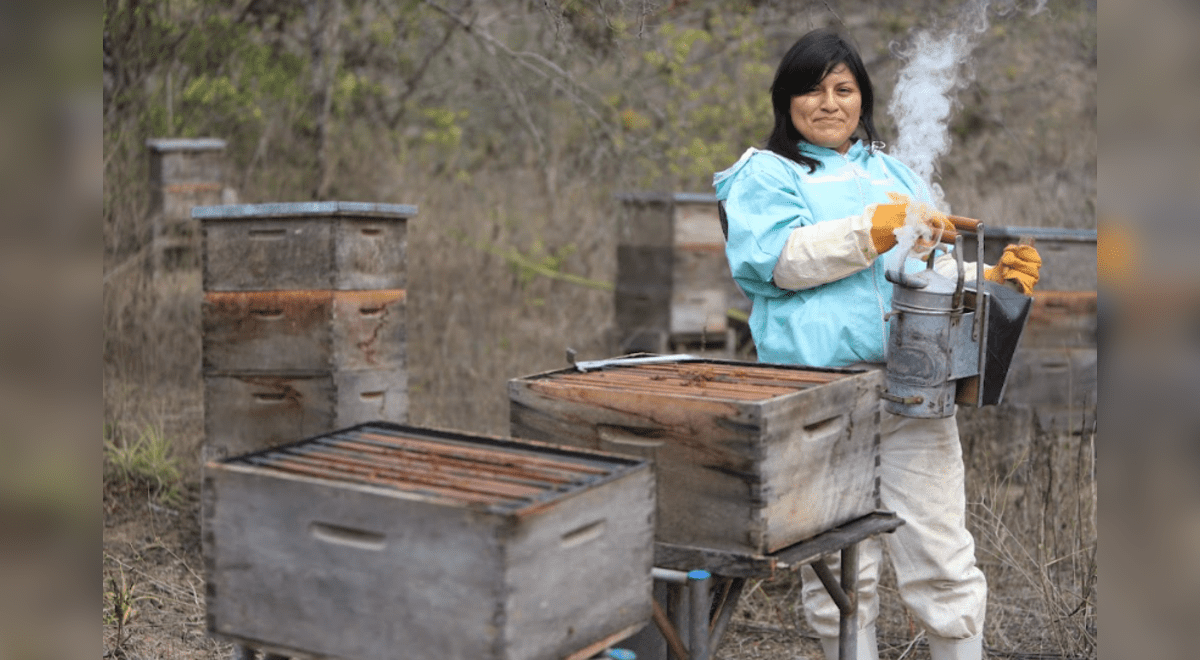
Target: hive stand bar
pixel 681 611
pixel 668 632
pixel 729 601
pixel 701 604
pixel 845 595
pixel 736 568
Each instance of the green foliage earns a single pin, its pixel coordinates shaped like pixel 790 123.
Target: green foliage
pixel 713 82
pixel 443 127
pixel 538 261
pixel 146 462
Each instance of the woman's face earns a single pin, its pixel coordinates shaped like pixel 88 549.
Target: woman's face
pixel 828 114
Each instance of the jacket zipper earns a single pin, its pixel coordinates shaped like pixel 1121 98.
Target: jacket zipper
pixel 862 198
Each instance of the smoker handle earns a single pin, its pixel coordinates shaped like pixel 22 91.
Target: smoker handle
pixel 965 224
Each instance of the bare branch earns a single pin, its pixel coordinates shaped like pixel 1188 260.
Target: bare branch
pixel 535 63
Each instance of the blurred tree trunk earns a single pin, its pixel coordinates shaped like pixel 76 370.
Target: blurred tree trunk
pixel 324 18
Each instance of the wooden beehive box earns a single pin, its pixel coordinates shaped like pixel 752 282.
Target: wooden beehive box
pixel 751 457
pixel 673 283
pixel 303 330
pixel 185 173
pixel 384 541
pixel 304 245
pixel 245 412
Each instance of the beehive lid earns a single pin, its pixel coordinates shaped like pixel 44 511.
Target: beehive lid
pixel 496 474
pixel 303 209
pixel 724 380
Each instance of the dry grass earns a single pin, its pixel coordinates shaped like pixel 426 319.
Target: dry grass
pixel 1035 528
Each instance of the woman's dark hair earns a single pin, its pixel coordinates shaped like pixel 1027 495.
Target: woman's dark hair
pixel 807 62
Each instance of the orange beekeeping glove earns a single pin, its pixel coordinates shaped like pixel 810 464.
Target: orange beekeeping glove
pixel 884 223
pixel 890 217
pixel 1020 264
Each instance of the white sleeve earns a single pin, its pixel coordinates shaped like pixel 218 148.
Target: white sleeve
pixel 944 265
pixel 826 251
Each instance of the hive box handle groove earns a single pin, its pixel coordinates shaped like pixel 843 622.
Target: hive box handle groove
pixel 581 535
pixel 823 426
pixel 347 536
pixel 629 437
pixel 268 314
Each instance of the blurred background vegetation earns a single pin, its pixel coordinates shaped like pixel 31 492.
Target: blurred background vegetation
pixel 512 125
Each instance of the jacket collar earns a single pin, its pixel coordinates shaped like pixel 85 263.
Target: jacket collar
pixel 856 151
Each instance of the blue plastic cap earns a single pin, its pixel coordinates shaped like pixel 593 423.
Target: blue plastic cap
pixel 699 574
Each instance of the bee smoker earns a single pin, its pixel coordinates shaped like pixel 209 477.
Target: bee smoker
pixel 950 341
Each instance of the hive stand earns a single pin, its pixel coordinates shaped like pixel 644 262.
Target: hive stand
pixel 702 600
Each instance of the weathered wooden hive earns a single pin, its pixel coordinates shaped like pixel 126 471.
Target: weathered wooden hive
pixel 385 541
pixel 303 320
pixel 1052 381
pixel 184 173
pixel 751 458
pixel 673 285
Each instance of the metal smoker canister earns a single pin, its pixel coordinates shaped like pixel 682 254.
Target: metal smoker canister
pixel 929 346
pixel 948 343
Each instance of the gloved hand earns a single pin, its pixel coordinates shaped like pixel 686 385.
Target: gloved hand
pixel 887 218
pixel 1020 264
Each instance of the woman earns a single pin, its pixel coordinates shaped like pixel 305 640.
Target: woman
pixel 808 219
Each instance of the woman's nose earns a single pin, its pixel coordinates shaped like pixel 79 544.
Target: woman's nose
pixel 829 101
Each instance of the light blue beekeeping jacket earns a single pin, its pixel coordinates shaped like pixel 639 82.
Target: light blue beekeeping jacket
pixel 823 303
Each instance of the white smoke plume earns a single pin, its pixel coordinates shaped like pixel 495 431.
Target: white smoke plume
pixel 937 66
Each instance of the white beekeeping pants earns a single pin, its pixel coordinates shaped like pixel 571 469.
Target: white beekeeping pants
pixel 933 554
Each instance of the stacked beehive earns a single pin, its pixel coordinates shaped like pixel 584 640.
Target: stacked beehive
pixel 303 320
pixel 183 173
pixel 673 284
